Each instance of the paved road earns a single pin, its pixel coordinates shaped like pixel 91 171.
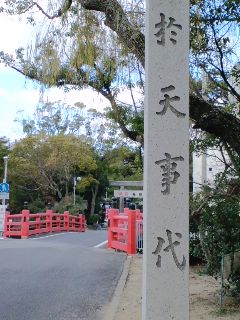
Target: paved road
pixel 57 278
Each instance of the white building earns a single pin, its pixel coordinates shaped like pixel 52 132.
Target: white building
pixel 205 168
pixel 208 164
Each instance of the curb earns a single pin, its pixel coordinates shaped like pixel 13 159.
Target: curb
pixel 110 311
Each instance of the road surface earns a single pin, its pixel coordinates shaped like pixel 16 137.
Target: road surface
pixel 63 277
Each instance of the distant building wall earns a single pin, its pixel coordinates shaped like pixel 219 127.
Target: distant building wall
pixel 205 168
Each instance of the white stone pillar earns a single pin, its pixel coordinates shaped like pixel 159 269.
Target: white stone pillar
pixel 166 162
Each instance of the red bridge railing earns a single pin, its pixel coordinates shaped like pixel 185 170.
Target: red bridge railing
pixel 122 231
pixel 25 224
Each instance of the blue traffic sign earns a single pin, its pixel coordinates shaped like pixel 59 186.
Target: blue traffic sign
pixel 4 187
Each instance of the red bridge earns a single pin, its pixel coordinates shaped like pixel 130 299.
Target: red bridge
pixel 28 224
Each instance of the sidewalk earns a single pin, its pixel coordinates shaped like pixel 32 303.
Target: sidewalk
pixel 130 304
pixel 126 303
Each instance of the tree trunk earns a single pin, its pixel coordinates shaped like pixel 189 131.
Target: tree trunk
pixel 66 186
pixel 94 190
pixel 214 120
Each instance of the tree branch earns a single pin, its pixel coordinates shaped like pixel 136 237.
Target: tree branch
pixel 221 70
pixel 213 120
pixel 66 6
pixel 116 19
pixel 133 135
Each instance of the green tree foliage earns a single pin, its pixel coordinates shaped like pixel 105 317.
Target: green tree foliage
pixel 215 224
pixel 94 185
pixel 220 230
pixel 124 164
pixel 54 118
pixel 46 165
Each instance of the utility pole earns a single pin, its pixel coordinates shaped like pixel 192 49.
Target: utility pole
pixel 4 195
pixel 74 190
pixel 5 158
pixel 5 168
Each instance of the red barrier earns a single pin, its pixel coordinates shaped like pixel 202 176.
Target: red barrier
pixel 25 224
pixel 122 231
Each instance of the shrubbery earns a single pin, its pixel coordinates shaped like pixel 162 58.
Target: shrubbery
pixel 92 219
pixel 219 235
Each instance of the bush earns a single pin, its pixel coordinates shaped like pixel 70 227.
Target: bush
pixel 36 206
pixel 66 204
pixel 196 255
pixel 234 284
pixel 93 219
pixel 219 229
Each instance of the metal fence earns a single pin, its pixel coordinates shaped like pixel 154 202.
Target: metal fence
pixel 139 235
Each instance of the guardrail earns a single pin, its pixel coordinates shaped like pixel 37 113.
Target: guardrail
pixel 25 224
pixel 125 230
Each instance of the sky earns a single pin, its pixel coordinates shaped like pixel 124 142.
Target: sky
pixel 13 92
pixel 18 93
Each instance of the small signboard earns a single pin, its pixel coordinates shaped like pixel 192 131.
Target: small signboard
pixel 4 191
pixel 4 187
pixel 128 193
pixel 4 195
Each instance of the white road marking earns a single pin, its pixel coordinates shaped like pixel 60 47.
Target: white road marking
pixel 101 244
pixel 51 235
pixel 1 238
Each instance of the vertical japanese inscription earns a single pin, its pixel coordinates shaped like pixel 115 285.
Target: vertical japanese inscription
pixel 169 175
pixel 168 165
pixel 166 102
pixel 170 247
pixel 163 25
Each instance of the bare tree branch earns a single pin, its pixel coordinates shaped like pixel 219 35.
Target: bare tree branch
pixel 221 69
pixel 66 6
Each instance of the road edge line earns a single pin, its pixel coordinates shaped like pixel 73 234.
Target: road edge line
pixel 101 244
pixel 49 235
pixel 109 312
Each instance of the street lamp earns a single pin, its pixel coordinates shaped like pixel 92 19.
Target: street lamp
pixel 75 179
pixel 5 158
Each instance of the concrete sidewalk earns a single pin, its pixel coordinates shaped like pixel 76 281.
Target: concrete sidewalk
pixel 127 300
pixel 130 304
